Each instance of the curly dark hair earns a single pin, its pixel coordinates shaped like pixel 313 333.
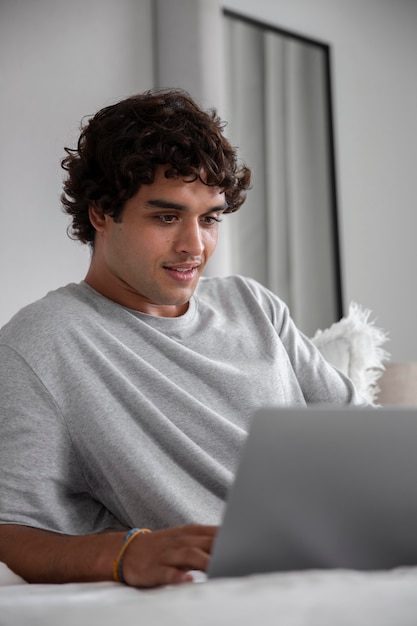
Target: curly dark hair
pixel 120 148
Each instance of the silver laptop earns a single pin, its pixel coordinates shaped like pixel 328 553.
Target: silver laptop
pixel 323 487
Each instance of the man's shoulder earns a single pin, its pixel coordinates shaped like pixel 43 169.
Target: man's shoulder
pixel 44 317
pixel 228 287
pixel 227 284
pixel 236 296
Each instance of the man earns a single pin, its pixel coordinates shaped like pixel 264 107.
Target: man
pixel 125 399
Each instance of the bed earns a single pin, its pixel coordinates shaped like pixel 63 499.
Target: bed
pixel 313 598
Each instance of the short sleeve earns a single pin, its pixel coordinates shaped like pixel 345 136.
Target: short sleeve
pixel 319 380
pixel 41 479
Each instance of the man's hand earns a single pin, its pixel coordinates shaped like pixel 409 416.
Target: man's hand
pixel 166 556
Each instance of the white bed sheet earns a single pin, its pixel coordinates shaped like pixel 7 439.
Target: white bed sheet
pixel 314 598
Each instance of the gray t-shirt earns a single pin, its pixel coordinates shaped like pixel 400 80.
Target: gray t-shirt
pixel 110 417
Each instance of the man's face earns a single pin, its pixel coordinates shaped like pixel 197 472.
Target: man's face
pixel 152 259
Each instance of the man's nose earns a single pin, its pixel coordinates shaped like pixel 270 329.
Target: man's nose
pixel 189 238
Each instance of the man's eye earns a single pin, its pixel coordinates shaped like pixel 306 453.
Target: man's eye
pixel 166 219
pixel 210 220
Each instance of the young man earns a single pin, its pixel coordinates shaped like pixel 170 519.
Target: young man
pixel 125 399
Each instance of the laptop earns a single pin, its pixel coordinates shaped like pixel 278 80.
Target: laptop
pixel 322 487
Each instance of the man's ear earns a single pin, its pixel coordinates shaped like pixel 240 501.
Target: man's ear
pixel 97 217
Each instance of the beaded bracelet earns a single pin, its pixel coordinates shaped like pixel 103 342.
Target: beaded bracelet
pixel 118 563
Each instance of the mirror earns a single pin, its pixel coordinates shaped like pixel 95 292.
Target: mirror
pixel 280 116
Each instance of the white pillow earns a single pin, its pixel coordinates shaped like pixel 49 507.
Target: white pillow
pixel 354 346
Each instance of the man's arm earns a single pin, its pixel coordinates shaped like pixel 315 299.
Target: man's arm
pixel 160 558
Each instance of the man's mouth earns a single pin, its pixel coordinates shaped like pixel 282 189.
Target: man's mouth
pixel 182 273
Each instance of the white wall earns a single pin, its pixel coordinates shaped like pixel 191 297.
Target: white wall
pixel 374 49
pixel 59 62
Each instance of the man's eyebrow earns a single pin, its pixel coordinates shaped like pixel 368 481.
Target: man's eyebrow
pixel 168 204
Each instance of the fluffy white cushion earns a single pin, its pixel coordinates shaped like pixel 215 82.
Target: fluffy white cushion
pixel 354 346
